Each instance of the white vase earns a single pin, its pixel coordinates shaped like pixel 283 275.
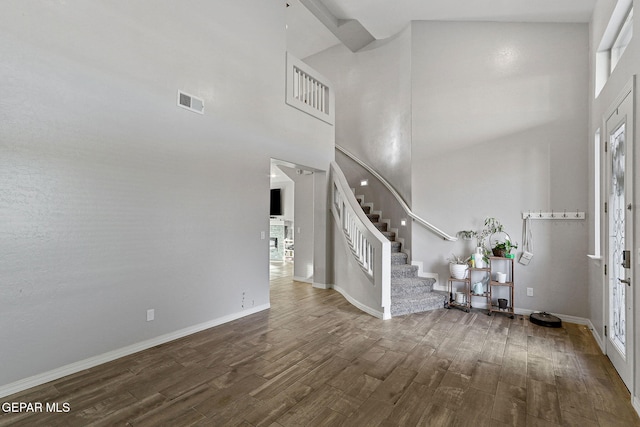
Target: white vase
pixel 458 271
pixel 479 260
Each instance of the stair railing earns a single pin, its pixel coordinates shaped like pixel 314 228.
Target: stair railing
pixel 398 197
pixel 370 248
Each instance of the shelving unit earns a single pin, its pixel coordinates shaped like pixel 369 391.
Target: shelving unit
pixel 453 289
pixel 495 290
pixel 497 264
pixel 472 273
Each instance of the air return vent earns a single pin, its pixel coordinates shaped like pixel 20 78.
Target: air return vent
pixel 190 102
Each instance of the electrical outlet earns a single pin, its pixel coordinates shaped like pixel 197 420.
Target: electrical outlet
pixel 529 292
pixel 151 314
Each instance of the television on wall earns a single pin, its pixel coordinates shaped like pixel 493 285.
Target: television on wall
pixel 276 202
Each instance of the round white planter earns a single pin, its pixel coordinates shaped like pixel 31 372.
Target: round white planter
pixel 458 271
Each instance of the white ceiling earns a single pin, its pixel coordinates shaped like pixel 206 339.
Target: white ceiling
pixel 306 35
pixel 385 18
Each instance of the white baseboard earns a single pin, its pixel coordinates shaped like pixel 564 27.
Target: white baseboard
pixel 321 285
pixel 635 402
pixel 366 309
pixel 302 279
pixel 81 365
pixel 563 317
pixel 596 336
pixel 427 275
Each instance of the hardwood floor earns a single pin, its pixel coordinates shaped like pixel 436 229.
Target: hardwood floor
pixel 315 360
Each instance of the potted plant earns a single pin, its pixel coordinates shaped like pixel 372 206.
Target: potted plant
pixel 503 249
pixel 491 227
pixel 458 267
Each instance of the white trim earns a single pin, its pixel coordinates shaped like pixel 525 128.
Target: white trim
pixel 563 317
pixel 321 285
pixel 293 63
pixel 81 365
pixel 366 309
pixel 594 257
pixel 427 275
pixel 596 336
pixel 302 279
pixel 635 402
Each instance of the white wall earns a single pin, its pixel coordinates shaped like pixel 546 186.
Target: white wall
pixel 500 115
pixel 112 199
pixel 303 233
pixel 373 102
pixel 373 118
pixel 628 66
pixel 303 226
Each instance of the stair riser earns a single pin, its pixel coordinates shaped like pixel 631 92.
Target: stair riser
pixel 382 226
pixel 404 309
pixel 411 292
pixel 398 258
pixel 401 273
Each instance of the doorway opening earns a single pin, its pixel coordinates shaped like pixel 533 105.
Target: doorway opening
pixel 291 235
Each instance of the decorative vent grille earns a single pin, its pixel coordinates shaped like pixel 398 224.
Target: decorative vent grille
pixel 308 91
pixel 190 102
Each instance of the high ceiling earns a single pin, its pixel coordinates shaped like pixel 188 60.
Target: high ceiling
pixel 384 18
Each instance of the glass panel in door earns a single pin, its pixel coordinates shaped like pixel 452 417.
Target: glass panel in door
pixel 617 229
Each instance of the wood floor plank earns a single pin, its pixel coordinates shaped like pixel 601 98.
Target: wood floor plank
pixel 372 413
pixel 485 377
pixel 435 415
pixel 313 359
pixel 512 412
pixel 383 367
pixel 393 385
pixel 310 407
pixel 405 411
pixel 542 401
pixel 540 369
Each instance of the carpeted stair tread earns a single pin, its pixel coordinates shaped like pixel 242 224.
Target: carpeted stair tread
pixel 403 271
pixel 373 217
pixel 395 247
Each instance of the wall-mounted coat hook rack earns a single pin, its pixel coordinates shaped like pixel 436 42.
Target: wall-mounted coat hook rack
pixel 553 214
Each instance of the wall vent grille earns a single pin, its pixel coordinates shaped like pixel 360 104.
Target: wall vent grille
pixel 190 102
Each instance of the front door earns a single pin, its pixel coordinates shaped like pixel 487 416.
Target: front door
pixel 619 236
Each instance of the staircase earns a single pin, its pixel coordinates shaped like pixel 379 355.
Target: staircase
pixel 409 293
